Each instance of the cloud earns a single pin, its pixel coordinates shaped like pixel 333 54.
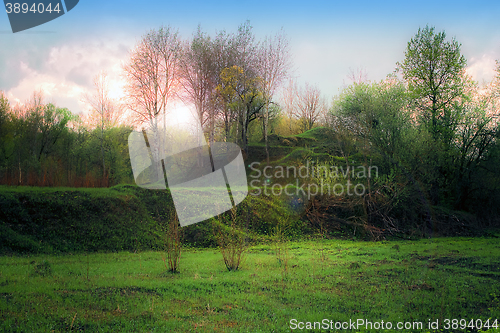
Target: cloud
pixel 482 68
pixel 16 49
pixel 65 72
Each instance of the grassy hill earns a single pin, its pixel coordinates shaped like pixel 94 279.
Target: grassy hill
pixel 126 217
pixel 68 219
pixel 121 218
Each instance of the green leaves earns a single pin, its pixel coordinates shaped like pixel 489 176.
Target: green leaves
pixel 433 69
pixel 377 112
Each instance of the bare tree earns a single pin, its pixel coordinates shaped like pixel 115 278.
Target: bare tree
pixel 358 76
pixel 494 93
pixel 196 69
pixel 33 104
pixel 238 84
pixel 290 102
pixel 202 63
pixel 223 80
pixel 152 80
pixel 151 74
pixel 104 111
pixel 245 81
pixel 310 106
pixel 274 66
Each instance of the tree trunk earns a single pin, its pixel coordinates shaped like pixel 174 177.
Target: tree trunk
pixel 266 119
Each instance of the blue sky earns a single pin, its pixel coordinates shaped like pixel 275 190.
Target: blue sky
pixel 328 38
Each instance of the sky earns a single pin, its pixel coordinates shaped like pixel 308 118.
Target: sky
pixel 328 39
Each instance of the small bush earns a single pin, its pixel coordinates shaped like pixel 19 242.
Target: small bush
pixel 231 238
pixel 173 244
pixel 280 244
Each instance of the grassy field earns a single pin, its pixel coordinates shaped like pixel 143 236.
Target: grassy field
pixel 397 281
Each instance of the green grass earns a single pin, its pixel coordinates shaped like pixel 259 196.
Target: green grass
pixel 318 142
pixel 315 280
pixel 101 192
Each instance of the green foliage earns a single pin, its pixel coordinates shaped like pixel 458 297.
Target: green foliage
pixel 4 122
pixel 12 241
pixel 375 113
pixel 44 145
pixel 432 135
pixel 451 108
pixel 433 68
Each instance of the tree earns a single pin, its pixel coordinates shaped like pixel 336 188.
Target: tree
pixel 242 88
pixel 290 100
pixel 310 106
pixel 358 76
pixel 225 53
pixel 474 135
pixel 104 111
pixel 494 92
pixel 226 99
pixel 376 114
pixel 274 67
pixel 35 133
pixel 151 74
pixel 212 84
pixel 433 68
pixel 4 113
pixel 152 81
pixel 51 123
pixel 6 138
pixel 236 61
pixel 202 63
pixel 4 110
pixel 243 78
pixel 196 70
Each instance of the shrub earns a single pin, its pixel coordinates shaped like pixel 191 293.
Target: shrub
pixel 173 243
pixel 230 236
